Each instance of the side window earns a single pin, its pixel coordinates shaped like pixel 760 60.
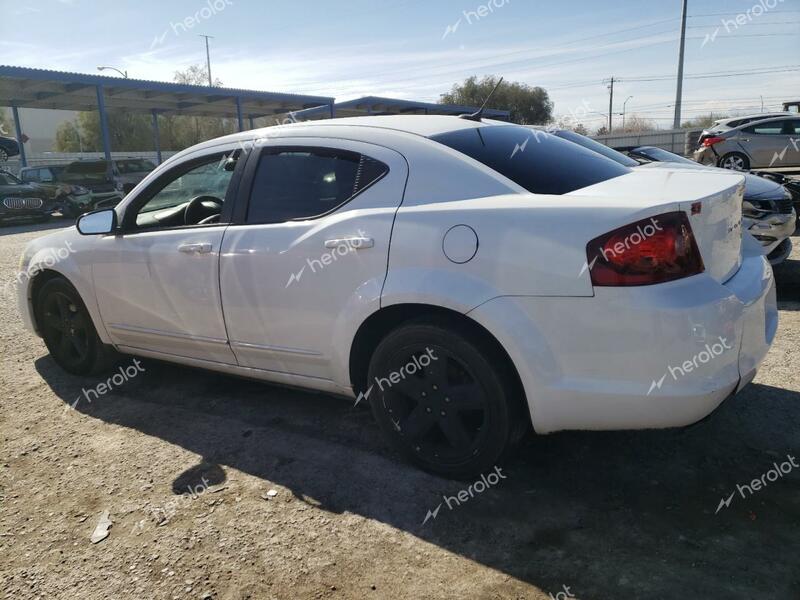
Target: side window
pixel 32 175
pixel 793 127
pixel 45 176
pixel 302 183
pixel 205 182
pixel 773 128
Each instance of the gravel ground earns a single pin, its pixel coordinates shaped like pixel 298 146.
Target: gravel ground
pixel 589 515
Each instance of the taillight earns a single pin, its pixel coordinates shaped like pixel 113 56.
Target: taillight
pixel 710 141
pixel 654 250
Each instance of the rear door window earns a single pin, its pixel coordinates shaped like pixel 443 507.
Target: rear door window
pixel 773 128
pixel 538 161
pixel 303 183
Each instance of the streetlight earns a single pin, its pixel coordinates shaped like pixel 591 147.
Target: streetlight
pixel 123 73
pixel 624 104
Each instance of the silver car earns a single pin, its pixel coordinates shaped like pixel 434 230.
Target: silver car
pixel 769 143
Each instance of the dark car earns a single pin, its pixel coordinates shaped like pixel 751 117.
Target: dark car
pixel 8 147
pixel 108 183
pixel 71 200
pixel 21 201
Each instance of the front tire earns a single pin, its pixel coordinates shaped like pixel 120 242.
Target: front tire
pixel 735 161
pixel 443 399
pixel 68 331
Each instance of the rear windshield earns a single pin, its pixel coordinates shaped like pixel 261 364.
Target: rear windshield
pixel 540 162
pixel 587 142
pixel 87 168
pixel 138 165
pixel 661 155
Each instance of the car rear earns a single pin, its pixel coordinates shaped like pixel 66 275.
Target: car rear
pixel 678 306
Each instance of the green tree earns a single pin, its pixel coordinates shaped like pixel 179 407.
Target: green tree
pixel 528 105
pixel 702 121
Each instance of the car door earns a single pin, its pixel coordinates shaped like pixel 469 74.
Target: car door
pixel 307 255
pixel 764 142
pixel 157 281
pixel 792 158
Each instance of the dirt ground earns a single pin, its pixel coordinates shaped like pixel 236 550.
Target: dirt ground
pixel 579 514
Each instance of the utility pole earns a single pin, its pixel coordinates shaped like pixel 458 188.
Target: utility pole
pixel 208 58
pixel 610 103
pixel 679 93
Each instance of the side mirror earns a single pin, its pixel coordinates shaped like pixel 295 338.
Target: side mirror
pixel 97 222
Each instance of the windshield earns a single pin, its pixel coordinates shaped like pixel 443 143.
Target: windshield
pixel 591 144
pixel 8 179
pixel 539 162
pixel 661 155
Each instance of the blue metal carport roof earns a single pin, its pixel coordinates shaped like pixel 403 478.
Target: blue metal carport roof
pixel 23 87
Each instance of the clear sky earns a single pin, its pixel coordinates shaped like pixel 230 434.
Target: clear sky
pixel 403 48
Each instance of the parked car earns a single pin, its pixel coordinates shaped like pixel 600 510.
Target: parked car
pixel 8 147
pixel 465 283
pixel 71 200
pixel 722 125
pixel 108 183
pixel 792 185
pixel 769 143
pixel 21 201
pixel 767 211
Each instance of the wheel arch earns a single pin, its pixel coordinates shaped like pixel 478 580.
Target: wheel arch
pixel 43 276
pixel 377 325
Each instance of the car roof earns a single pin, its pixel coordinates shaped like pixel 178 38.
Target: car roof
pixel 767 119
pixel 754 116
pixel 421 125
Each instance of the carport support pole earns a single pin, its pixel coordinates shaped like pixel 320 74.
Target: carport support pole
pixel 101 108
pixel 252 125
pixel 239 117
pixel 156 138
pixel 333 110
pixel 18 128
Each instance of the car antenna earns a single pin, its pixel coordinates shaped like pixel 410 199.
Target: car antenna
pixel 476 116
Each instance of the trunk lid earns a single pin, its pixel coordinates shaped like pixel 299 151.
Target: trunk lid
pixel 712 202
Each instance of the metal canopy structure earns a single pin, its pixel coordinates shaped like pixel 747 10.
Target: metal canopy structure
pixel 22 87
pixel 377 105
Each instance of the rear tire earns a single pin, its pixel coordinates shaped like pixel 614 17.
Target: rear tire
pixel 68 331
pixel 443 400
pixel 735 161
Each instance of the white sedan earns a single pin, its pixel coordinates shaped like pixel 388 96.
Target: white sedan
pixel 468 279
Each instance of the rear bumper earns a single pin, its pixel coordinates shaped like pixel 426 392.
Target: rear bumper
pixel 637 358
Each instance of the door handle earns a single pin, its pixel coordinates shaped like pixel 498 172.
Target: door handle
pixel 201 248
pixel 353 243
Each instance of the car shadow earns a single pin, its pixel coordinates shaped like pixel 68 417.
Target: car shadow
pixel 608 514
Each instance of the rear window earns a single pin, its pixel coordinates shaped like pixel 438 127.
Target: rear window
pixel 135 165
pixel 540 162
pixel 587 142
pixel 86 168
